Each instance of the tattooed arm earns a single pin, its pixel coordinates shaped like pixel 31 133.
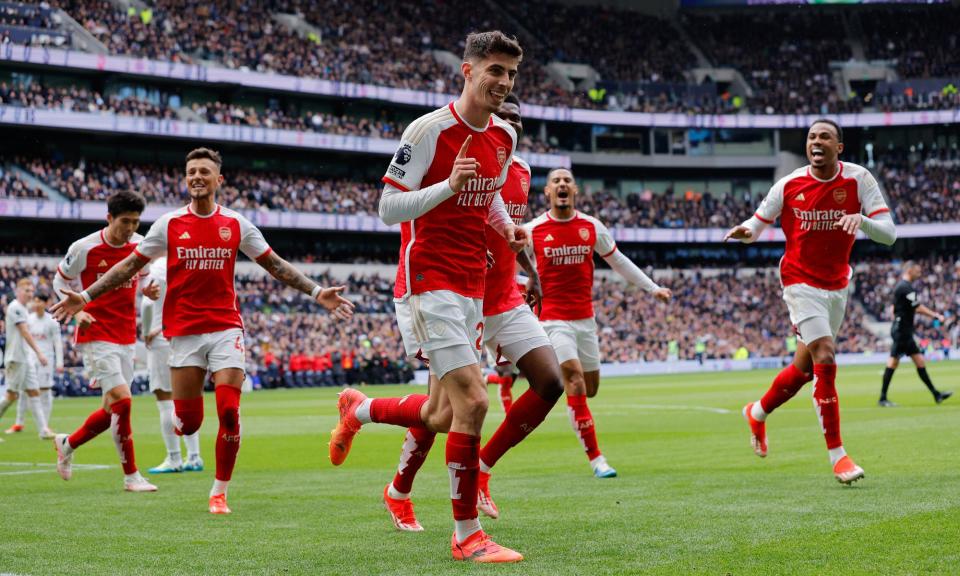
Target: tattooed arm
pixel 73 302
pixel 287 273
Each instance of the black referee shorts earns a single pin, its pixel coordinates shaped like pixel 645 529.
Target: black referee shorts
pixel 904 347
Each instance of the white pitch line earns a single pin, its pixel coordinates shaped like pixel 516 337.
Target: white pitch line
pixel 44 467
pixel 675 407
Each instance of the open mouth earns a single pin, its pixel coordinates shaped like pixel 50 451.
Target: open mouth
pixel 498 96
pixel 816 153
pixel 563 194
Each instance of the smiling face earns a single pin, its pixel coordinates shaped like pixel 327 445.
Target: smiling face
pixel 561 189
pixel 487 81
pixel 823 145
pixel 203 178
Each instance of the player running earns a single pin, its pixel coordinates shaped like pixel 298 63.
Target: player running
pixel 106 334
pixel 443 186
pixel 158 367
pixel 564 241
pixel 200 315
pixel 511 332
pixel 21 372
pixel 46 333
pixel 821 207
pixel 906 304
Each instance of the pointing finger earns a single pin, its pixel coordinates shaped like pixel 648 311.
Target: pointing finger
pixel 463 149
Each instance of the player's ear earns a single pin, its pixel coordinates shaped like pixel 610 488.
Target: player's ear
pixel 839 148
pixel 466 68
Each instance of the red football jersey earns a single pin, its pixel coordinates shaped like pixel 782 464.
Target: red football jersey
pixel 201 255
pixel 501 293
pixel 564 250
pixel 817 252
pixel 445 249
pixel 116 312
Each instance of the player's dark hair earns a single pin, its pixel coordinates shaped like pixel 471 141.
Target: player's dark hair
pixel 207 153
pixel 511 99
pixel 832 123
pixel 125 201
pixel 480 45
pixel 552 170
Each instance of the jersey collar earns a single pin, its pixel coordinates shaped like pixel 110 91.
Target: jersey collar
pixel 453 109
pixel 576 213
pixel 832 178
pixel 210 215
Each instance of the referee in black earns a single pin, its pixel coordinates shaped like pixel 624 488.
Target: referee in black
pixel 906 303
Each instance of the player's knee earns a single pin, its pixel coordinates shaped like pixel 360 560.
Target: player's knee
pixel 189 422
pixel 230 417
pixel 440 419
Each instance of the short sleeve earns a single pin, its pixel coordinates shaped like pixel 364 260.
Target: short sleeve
pixel 772 204
pixel 252 242
pixel 19 315
pixel 73 263
pixel 605 244
pixel 154 244
pixel 871 200
pixel 412 159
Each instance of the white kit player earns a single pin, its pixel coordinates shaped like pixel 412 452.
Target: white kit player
pixel 201 316
pixel 105 334
pixel 158 368
pixel 564 241
pixel 19 359
pixel 821 207
pixel 443 187
pixel 46 333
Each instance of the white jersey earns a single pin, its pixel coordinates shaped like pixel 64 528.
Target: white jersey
pixel 46 333
pixel 151 311
pixel 17 349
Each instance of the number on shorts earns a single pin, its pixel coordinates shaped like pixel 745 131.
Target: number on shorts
pixel 238 344
pixel 480 337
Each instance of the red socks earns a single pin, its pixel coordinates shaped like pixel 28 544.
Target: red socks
pixel 582 422
pixel 416 446
pixel 228 436
pixel 399 411
pixel 96 423
pixel 528 412
pixel 189 414
pixel 826 403
pixel 493 379
pixel 785 386
pixel 463 463
pixel 506 392
pixel 123 434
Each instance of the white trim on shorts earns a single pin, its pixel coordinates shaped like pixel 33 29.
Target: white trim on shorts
pixel 575 340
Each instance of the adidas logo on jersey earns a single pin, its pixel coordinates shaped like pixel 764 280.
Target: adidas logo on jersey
pixel 102 264
pixel 185 236
pixel 800 197
pixel 549 238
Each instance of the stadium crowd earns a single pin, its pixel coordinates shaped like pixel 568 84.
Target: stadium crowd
pixel 922 188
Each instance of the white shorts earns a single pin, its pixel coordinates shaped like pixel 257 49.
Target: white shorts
pixel 214 351
pixel 107 365
pixel 45 375
pixel 816 313
pixel 508 336
pixel 575 340
pixel 441 320
pixel 21 376
pixel 158 367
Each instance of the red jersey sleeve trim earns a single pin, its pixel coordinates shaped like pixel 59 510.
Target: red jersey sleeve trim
pixel 140 256
pixel 64 276
pixel 610 252
pixel 879 211
pixel 265 254
pixel 394 183
pixel 762 219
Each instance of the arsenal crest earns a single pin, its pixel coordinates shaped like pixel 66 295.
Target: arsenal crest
pixel 525 185
pixel 225 233
pixel 584 234
pixel 501 155
pixel 840 195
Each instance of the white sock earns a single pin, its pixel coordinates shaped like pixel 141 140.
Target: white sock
pixel 484 468
pixel 363 411
pixel 757 412
pixel 36 407
pixel 396 494
pixel 598 461
pixel 466 528
pixel 131 478
pixel 836 454
pixel 21 408
pixel 219 487
pixel 47 396
pixel 193 445
pixel 170 438
pixel 4 404
pixel 66 447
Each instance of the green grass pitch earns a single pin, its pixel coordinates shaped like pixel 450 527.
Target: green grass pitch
pixel 691 497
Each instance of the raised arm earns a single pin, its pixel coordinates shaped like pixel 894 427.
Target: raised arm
pixel 765 215
pixel 618 261
pixel 287 273
pixel 72 302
